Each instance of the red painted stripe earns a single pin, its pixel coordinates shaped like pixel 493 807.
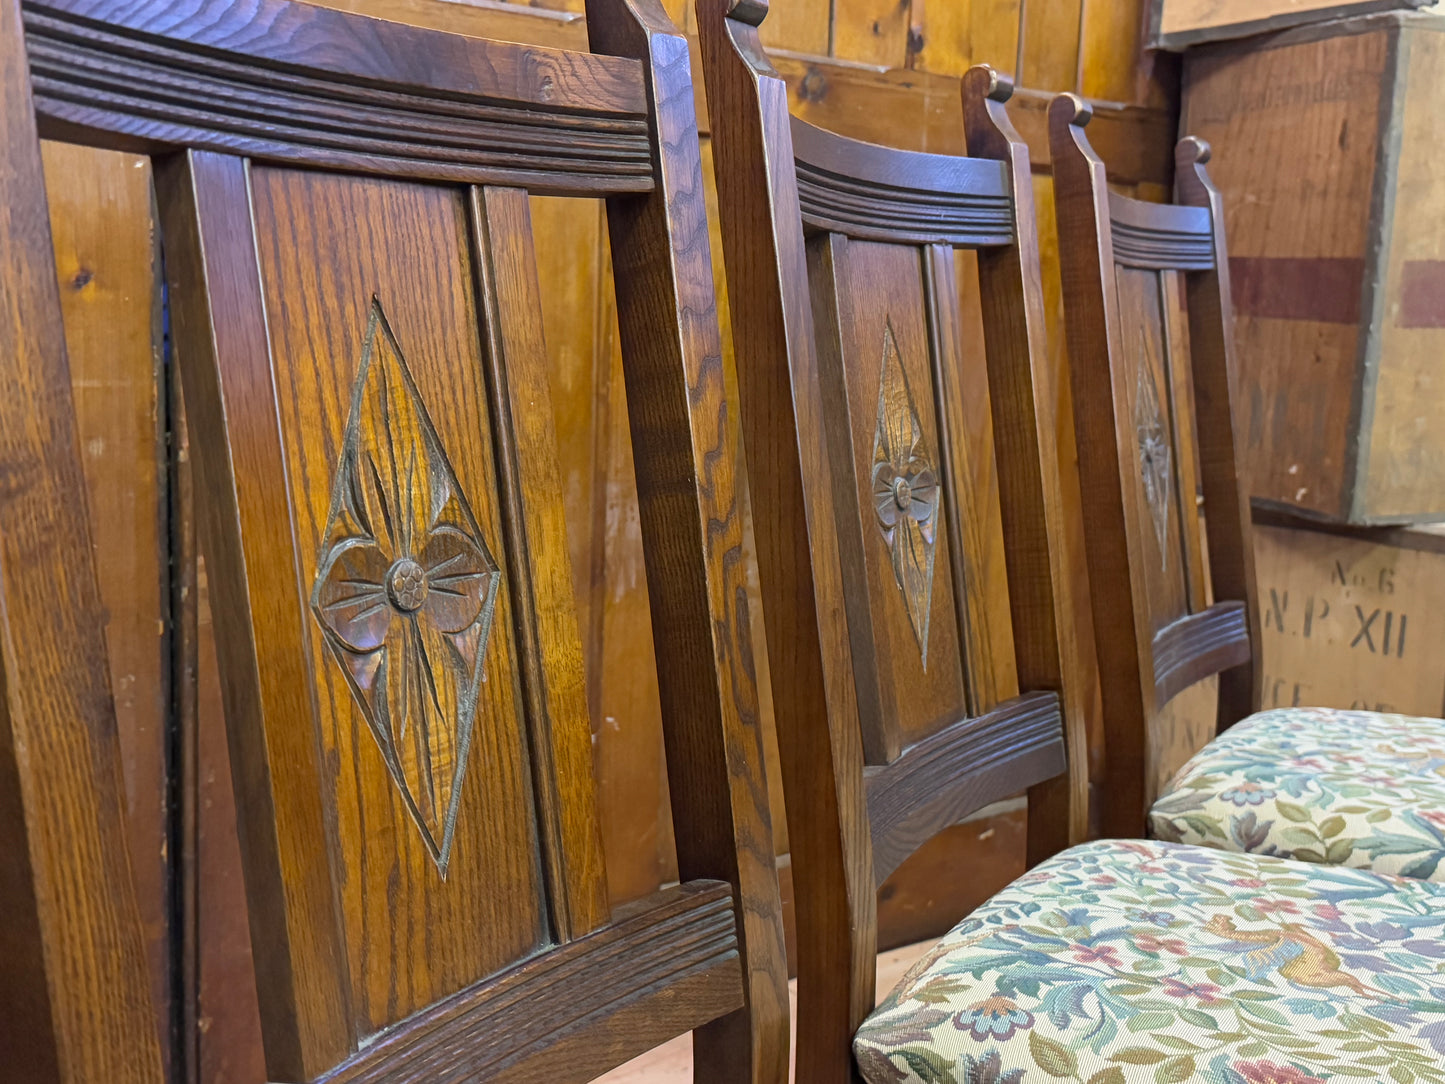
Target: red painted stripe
pixel 1321 289
pixel 1422 294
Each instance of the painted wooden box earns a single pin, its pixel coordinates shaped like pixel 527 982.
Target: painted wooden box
pixel 1178 24
pixel 1352 618
pixel 1327 145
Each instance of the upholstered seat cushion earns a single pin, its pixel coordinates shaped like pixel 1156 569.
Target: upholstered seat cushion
pixel 1349 788
pixel 1138 960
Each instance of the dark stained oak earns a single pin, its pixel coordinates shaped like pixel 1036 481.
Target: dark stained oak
pixel 1160 236
pixel 1150 334
pixel 471 110
pixel 356 312
pixel 690 503
pixel 669 965
pixel 907 502
pixel 1197 646
pixel 850 187
pixel 962 768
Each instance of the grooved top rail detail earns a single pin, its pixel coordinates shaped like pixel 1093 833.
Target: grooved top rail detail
pixel 545 119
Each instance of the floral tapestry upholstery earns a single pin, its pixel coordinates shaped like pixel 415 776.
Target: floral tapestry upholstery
pixel 1137 960
pixel 1348 788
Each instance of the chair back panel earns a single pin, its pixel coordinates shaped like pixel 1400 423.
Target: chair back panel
pixel 915 490
pixel 357 324
pixel 879 370
pixel 388 436
pixel 1163 504
pixel 418 698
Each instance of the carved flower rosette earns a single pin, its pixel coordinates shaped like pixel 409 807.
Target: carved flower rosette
pixel 1156 467
pixel 405 589
pixel 906 492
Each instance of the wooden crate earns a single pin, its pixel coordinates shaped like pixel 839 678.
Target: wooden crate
pixel 1325 145
pixel 1177 24
pixel 1352 618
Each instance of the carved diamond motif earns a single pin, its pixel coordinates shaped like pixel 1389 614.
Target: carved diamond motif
pixel 906 494
pixel 405 588
pixel 1155 463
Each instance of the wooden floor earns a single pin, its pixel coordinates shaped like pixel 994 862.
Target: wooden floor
pixel 671 1063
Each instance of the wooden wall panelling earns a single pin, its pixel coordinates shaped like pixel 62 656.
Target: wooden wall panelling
pixel 106 256
pixel 1110 51
pixel 561 29
pixel 633 803
pixel 945 36
pixel 913 110
pixel 871 31
pixel 75 992
pixel 798 26
pixel 994 27
pixel 1049 44
pixel 931 885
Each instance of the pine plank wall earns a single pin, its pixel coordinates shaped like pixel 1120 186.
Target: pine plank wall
pixel 876 69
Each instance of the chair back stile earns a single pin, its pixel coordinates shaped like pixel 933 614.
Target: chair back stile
pixel 1149 327
pixel 74 986
pixel 908 505
pixel 357 325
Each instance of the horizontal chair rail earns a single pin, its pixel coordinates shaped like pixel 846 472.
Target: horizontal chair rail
pixel 152 94
pixel 1197 646
pixel 852 187
pixel 960 769
pixel 1161 236
pixel 670 965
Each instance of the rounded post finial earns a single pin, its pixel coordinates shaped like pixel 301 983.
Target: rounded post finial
pixel 985 82
pixel 752 12
pixel 1192 151
pixel 1072 109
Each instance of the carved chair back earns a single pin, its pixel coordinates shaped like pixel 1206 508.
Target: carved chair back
pixel 1150 337
pixel 356 321
pixel 906 498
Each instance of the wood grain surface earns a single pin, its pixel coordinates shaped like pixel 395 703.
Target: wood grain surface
pixel 77 991
pixel 107 257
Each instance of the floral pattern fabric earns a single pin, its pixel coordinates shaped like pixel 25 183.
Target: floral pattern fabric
pixel 1346 788
pixel 1122 961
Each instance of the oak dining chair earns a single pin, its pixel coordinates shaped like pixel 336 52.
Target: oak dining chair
pixel 355 318
pixel 906 500
pixel 923 634
pixel 1151 346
